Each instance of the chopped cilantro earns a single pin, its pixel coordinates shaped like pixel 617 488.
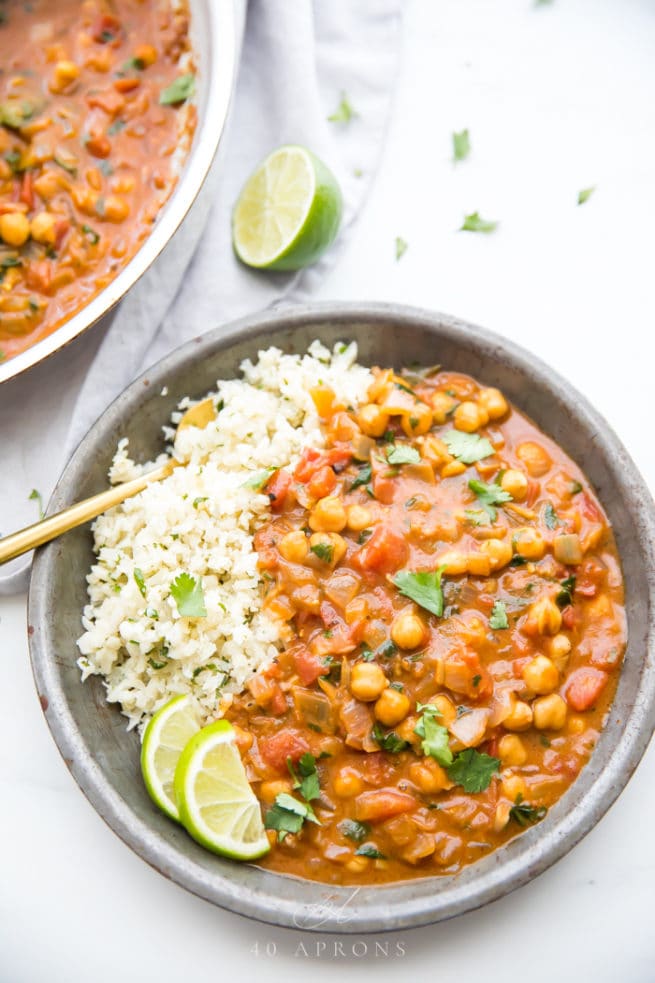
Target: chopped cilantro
pixel 524 814
pixel 178 91
pixel 369 850
pixel 489 495
pixel 156 665
pixel 390 741
pixel 140 582
pixel 461 145
pixel 367 654
pixel 287 815
pixel 188 595
pixel 198 501
pixel 324 551
pixel 401 248
pixel 402 454
pixel 550 517
pixel 575 488
pixel 258 480
pixel 363 478
pixel 473 770
pixel 585 195
pixel 565 595
pixel 477 517
pixel 498 618
pixel 115 127
pixel 423 588
pixel 363 536
pixel 90 234
pixel 475 223
pixel 152 613
pixel 434 735
pixel 467 447
pixel 344 111
pixel 306 780
pixel 354 830
pixel 35 496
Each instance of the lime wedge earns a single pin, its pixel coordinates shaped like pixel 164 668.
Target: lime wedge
pixel 288 212
pixel 165 737
pixel 217 805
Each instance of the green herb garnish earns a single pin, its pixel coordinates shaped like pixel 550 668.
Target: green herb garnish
pixel 178 91
pixel 344 111
pixel 369 850
pixel 402 454
pixel 475 223
pixel 461 145
pixel 324 551
pixel 489 495
pixel 401 248
pixel 473 770
pixel 467 447
pixel 35 496
pixel 550 517
pixel 188 595
pixel 498 618
pixel 524 814
pixel 363 478
pixel 434 735
pixel 287 815
pixel 354 830
pixel 140 582
pixel 565 595
pixel 306 780
pixel 423 588
pixel 259 479
pixel 390 741
pixel 585 195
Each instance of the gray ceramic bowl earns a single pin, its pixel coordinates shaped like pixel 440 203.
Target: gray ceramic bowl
pixel 103 757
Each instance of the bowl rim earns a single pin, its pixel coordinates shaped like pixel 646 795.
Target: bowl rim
pixel 338 909
pixel 218 85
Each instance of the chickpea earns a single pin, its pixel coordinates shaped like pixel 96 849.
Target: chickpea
pixel 501 817
pixel 452 468
pixel 64 73
pixel 333 541
pixel 520 717
pixel 367 681
pixel 446 708
pixel 546 616
pixel 408 630
pixel 511 750
pixel 493 402
pixel 499 553
pixel 405 730
pixel 536 460
pixel 392 707
pixel 294 546
pixel 146 54
pixel 14 228
pixel 373 420
pixel 269 791
pixel 116 209
pixel 541 675
pixel 347 783
pixel 478 564
pixel 243 738
pixel 454 562
pixel 358 518
pixel 418 421
pixel 429 776
pixel 516 483
pixel 549 712
pixel 42 228
pixel 469 417
pixel 529 543
pixel 358 865
pixel 575 725
pixel 512 786
pixel 442 406
pixel 560 648
pixel 328 515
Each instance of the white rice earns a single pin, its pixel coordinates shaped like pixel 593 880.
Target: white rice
pixel 201 521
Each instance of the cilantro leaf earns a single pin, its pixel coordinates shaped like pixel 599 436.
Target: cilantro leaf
pixel 324 551
pixel 308 782
pixel 369 850
pixel 287 815
pixel 344 111
pixel 498 618
pixel 140 582
pixel 475 223
pixel 477 517
pixel 402 454
pixel 363 478
pixel 473 770
pixel 461 145
pixel 585 195
pixel 467 447
pixel 259 479
pixel 423 588
pixel 435 735
pixel 188 595
pixel 35 496
pixel 354 830
pixel 401 248
pixel 524 814
pixel 550 517
pixel 181 89
pixel 489 495
pixel 390 741
pixel 565 596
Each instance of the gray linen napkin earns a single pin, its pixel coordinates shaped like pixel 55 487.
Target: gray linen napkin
pixel 297 60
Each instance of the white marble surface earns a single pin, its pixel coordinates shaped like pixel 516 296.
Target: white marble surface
pixel 557 98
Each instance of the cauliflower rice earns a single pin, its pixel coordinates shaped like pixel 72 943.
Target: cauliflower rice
pixel 200 521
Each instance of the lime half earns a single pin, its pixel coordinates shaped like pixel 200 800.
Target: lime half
pixel 217 805
pixel 288 213
pixel 165 737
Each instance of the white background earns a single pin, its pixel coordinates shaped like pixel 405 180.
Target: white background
pixel 557 98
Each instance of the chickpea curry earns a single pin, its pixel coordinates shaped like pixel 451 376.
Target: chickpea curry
pixel 454 627
pixel 94 125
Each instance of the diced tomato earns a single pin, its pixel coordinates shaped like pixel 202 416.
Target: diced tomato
pixel 107 29
pixel 308 666
pixel 385 551
pixel 277 488
pixel 285 744
pixel 584 686
pixel 306 466
pixel 532 493
pixel 589 509
pixel 590 576
pixel 26 190
pixel 278 704
pixel 62 225
pixel 569 617
pixel 264 542
pixel 322 482
pixel 381 804
pixel 313 460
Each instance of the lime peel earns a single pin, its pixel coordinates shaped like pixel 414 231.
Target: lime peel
pixel 167 734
